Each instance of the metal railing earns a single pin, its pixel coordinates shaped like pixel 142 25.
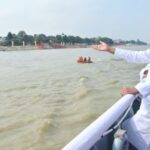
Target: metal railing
pixel 90 135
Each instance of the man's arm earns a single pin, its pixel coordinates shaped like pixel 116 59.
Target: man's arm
pixel 133 56
pixel 104 47
pixel 129 90
pixel 128 55
pixel 142 88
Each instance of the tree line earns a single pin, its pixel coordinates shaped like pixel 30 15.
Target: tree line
pixel 22 36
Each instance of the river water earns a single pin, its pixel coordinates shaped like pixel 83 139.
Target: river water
pixel 46 98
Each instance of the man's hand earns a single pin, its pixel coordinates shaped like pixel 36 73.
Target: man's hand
pixel 104 47
pixel 129 90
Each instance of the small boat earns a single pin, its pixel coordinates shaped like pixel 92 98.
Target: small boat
pixel 84 60
pixel 101 134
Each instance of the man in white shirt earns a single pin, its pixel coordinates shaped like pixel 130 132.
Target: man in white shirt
pixel 138 127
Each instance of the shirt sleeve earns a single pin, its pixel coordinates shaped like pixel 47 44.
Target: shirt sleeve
pixel 143 88
pixel 133 56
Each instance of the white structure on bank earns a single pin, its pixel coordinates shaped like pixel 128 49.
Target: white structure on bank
pixel 12 43
pixel 23 43
pixel 35 43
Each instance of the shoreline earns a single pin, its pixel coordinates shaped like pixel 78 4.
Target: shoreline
pixel 17 48
pixel 20 48
pixel 29 47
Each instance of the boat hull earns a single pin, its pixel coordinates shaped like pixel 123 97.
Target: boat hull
pixel 93 133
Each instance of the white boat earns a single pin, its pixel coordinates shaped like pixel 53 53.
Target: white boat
pixel 99 135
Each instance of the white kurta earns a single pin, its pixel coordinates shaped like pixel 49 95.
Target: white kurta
pixel 138 127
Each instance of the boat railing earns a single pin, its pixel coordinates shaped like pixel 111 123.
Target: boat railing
pixel 94 132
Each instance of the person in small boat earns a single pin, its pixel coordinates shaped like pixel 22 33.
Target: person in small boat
pixel 89 60
pixel 80 59
pixel 138 126
pixel 85 60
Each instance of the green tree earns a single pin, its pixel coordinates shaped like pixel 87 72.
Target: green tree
pixel 40 38
pixel 71 39
pixel 59 38
pixel 51 39
pixel 78 39
pixel 29 39
pixel 20 37
pixel 9 38
pixel 21 34
pixel 88 41
pixel 65 39
pixel 107 40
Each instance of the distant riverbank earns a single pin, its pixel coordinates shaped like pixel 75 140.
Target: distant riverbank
pixel 14 48
pixel 29 47
pixel 9 48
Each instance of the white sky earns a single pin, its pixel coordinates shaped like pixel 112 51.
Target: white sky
pixel 125 19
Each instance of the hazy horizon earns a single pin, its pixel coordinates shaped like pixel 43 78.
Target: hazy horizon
pixel 87 18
